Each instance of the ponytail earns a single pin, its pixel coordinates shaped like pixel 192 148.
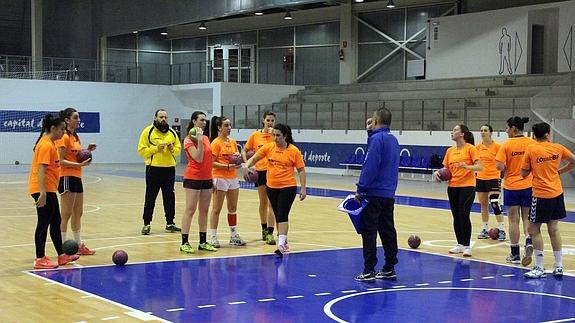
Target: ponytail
pixel 517 122
pixel 48 122
pixel 216 122
pixel 467 135
pixel 67 114
pixel 286 131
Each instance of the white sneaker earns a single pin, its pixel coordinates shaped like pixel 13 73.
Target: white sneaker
pixel 536 272
pixel 457 249
pixel 467 252
pixel 236 240
pixel 558 272
pixel 214 242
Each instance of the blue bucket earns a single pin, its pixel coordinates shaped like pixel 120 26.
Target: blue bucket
pixel 354 209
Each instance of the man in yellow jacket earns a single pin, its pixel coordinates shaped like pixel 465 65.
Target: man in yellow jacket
pixel 158 145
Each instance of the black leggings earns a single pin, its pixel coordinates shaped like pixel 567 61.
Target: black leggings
pixel 160 178
pixel 48 216
pixel 461 200
pixel 281 200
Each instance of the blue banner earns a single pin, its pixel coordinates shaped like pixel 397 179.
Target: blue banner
pixel 326 155
pixel 31 121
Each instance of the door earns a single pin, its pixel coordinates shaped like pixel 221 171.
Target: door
pixel 537 49
pixel 232 63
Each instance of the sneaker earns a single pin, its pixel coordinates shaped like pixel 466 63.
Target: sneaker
pixel 467 252
pixel 64 259
pixel 236 240
pixel 365 277
pixel 456 249
pixel 513 259
pixel 171 228
pixel 85 251
pixel 146 229
pixel 45 263
pixel 483 234
pixel 215 242
pixel 207 247
pixel 558 272
pixel 282 250
pixel 502 236
pixel 386 274
pixel 187 248
pixel 536 272
pixel 528 255
pixel 270 239
pixel 264 234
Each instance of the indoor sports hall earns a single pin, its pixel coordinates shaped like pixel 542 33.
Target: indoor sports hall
pixel 323 68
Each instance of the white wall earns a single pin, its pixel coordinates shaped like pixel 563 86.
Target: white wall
pixel 549 18
pixel 566 38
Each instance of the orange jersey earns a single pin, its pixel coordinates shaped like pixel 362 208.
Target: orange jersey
pixel 221 151
pixel 45 153
pixel 461 177
pixel 256 140
pixel 72 145
pixel 487 156
pixel 281 164
pixel 195 170
pixel 544 159
pixel 511 155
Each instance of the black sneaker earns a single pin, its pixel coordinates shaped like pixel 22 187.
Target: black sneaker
pixel 386 274
pixel 365 277
pixel 172 228
pixel 264 234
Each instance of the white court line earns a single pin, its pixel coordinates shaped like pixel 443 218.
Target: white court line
pixel 445 282
pixel 206 306
pixel 487 277
pixel 508 275
pixel 466 280
pixel 322 294
pixel 266 299
pixel 349 291
pixel 175 309
pixel 376 288
pixel 132 310
pixel 571 319
pixel 109 318
pixel 295 296
pixel 398 286
pixel 422 284
pixel 236 303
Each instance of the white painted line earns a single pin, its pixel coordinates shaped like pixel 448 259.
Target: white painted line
pixel 50 283
pixel 422 284
pixel 445 282
pixel 312 276
pixel 87 296
pixel 295 296
pixel 571 319
pixel 175 309
pixel 466 280
pixel 508 275
pixel 398 286
pixel 349 291
pixel 322 294
pixel 375 288
pixel 487 277
pixel 206 306
pixel 266 300
pixel 109 318
pixel 81 322
pixel 142 316
pixel 236 303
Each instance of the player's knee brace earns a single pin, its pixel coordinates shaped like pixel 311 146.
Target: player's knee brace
pixel 494 202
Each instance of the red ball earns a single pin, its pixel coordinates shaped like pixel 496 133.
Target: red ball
pixel 252 176
pixel 444 174
pixel 120 257
pixel 494 233
pixel 83 154
pixel 235 159
pixel 414 241
pixel 250 154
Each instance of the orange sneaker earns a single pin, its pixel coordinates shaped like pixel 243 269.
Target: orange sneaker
pixel 64 259
pixel 44 263
pixel 85 251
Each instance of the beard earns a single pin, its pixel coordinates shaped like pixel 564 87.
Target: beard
pixel 162 126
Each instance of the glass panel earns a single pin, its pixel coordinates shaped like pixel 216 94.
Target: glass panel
pixel 218 59
pixel 358 115
pixel 232 75
pixel 432 115
pixel 293 115
pixel 454 113
pixel 395 108
pixel 246 57
pixel 276 37
pixel 253 120
pixel 392 69
pixel 339 115
pixel 308 116
pixel 324 116
pixel 152 40
pixel 233 56
pixel 233 39
pixel 390 22
pixel 324 34
pixel 246 75
pixel 315 65
pixel 417 17
pixel 413 115
pixel 501 110
pixel 271 69
pixel 154 68
pixel 127 41
pixel 477 112
pixel 198 43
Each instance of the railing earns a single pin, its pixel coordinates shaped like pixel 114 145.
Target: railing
pixel 427 114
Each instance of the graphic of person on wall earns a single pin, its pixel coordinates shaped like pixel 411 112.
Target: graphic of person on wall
pixel 505 52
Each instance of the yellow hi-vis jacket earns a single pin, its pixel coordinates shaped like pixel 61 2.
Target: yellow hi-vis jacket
pixel 148 147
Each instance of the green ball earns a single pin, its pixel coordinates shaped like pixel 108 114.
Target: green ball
pixel 70 247
pixel 192 133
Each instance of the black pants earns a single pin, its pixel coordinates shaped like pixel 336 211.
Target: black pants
pixel 48 217
pixel 461 200
pixel 281 200
pixel 377 217
pixel 160 178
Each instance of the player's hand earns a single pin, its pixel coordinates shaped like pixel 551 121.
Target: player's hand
pixel 463 165
pixel 171 147
pixel 357 197
pixel 86 162
pixel 41 201
pixel 91 147
pixel 302 194
pixel 161 147
pixel 436 177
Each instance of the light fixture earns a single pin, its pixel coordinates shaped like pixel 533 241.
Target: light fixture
pixel 288 16
pixel 164 33
pixel 390 4
pixel 134 32
pixel 358 0
pixel 202 26
pixel 259 13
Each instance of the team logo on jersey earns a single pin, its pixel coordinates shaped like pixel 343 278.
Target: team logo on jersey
pixel 549 158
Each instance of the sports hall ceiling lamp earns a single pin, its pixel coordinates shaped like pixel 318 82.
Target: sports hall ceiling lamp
pixel 288 16
pixel 202 26
pixel 390 4
pixel 258 13
pixel 358 0
pixel 164 33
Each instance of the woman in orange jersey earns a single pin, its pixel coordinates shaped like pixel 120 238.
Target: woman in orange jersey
pixel 463 161
pixel 43 184
pixel 226 184
pixel 282 156
pixel 256 140
pixel 70 187
pixel 198 182
pixel 543 161
pixel 488 186
pixel 516 189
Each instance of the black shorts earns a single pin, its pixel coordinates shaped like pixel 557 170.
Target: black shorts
pixel 262 178
pixel 544 210
pixel 70 184
pixel 488 185
pixel 194 184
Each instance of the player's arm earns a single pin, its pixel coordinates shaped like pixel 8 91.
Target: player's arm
pixel 569 166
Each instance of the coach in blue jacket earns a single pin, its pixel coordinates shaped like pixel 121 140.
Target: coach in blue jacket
pixel 377 183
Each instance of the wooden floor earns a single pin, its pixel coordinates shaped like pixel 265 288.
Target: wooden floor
pixel 112 220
